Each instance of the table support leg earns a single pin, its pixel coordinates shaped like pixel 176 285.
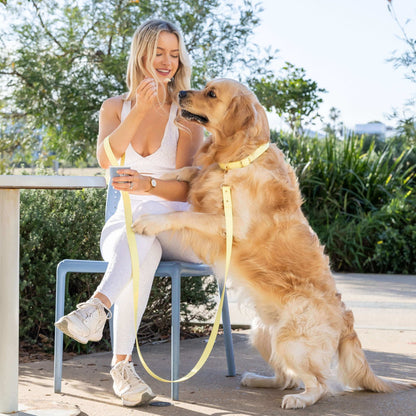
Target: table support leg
pixel 9 299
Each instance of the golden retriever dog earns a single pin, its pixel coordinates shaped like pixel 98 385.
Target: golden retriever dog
pixel 302 328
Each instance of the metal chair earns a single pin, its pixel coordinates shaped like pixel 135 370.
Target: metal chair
pixel 173 269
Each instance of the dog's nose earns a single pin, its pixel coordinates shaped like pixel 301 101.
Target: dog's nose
pixel 182 94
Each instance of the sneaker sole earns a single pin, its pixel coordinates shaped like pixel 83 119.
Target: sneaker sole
pixel 146 398
pixel 62 325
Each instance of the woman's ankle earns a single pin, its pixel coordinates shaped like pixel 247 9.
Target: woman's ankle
pixel 104 299
pixel 119 357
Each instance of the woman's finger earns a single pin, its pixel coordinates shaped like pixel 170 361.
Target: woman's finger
pixel 126 171
pixel 146 84
pixel 148 92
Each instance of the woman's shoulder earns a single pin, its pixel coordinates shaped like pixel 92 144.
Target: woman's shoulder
pixel 195 129
pixel 114 103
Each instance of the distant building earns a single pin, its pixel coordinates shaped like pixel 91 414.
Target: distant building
pixel 312 134
pixel 374 129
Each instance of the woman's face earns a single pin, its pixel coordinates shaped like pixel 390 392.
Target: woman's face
pixel 166 61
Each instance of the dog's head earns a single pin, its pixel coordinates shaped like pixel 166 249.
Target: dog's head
pixel 225 107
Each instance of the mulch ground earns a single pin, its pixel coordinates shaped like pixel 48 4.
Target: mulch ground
pixel 29 353
pixel 40 352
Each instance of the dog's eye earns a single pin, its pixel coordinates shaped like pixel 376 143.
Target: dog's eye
pixel 211 94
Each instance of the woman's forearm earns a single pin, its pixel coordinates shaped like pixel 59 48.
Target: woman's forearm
pixel 119 138
pixel 169 190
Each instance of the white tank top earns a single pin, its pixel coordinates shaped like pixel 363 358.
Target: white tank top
pixel 164 158
pixel 156 164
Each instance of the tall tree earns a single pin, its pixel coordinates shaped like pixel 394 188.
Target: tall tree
pixel 334 127
pixel 292 96
pixel 60 59
pixel 406 117
pixel 407 58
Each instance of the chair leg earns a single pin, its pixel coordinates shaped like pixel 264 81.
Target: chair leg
pixel 175 331
pixel 228 338
pixel 59 312
pixel 63 268
pixel 111 326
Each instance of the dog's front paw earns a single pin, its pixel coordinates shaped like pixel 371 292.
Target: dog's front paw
pixel 149 225
pixel 185 174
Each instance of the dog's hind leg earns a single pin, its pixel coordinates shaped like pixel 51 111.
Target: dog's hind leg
pixel 304 365
pixel 261 338
pixel 314 390
pixel 307 348
pixel 259 381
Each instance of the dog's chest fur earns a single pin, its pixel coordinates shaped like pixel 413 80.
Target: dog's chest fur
pixel 205 194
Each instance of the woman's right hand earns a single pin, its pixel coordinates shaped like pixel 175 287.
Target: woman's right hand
pixel 146 95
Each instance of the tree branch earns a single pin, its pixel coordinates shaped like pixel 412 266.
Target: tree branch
pixel 17 74
pixel 44 26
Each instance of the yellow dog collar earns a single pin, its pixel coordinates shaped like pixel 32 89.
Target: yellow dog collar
pixel 247 160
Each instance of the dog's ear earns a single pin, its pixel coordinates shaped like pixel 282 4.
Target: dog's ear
pixel 240 115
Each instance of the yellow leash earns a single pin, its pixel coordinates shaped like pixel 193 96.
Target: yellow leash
pixel 135 269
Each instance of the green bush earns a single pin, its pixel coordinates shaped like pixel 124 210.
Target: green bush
pixel 382 241
pixel 358 199
pixel 394 250
pixel 56 225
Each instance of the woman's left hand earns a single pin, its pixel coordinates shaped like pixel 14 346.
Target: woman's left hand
pixel 131 181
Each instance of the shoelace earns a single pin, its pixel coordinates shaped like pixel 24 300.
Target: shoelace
pixel 84 312
pixel 128 374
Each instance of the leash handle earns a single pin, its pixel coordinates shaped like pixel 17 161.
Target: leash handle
pixel 136 271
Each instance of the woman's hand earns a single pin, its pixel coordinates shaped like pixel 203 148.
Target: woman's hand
pixel 131 181
pixel 146 95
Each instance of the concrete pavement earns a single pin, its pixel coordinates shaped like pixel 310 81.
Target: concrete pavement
pixel 385 310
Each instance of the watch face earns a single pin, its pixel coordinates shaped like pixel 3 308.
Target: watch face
pixel 153 183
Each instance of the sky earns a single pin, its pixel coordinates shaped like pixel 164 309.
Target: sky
pixel 343 45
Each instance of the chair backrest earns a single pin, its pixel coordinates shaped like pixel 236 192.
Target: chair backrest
pixel 113 196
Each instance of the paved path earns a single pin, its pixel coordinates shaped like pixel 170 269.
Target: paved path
pixel 385 311
pixel 378 301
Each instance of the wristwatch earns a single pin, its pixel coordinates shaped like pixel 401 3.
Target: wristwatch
pixel 153 183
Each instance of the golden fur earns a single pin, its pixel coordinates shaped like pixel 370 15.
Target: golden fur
pixel 302 325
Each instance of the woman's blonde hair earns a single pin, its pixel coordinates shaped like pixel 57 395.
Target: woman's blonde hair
pixel 143 52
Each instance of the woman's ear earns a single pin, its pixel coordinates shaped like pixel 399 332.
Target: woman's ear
pixel 240 115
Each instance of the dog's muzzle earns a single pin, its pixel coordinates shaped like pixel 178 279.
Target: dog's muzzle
pixel 184 97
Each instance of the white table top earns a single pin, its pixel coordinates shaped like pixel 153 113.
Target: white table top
pixel 50 182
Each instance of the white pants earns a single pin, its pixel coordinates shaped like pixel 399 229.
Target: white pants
pixel 117 284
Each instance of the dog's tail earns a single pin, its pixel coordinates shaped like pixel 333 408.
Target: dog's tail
pixel 354 370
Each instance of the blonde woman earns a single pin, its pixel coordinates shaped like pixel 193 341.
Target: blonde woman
pixel 141 125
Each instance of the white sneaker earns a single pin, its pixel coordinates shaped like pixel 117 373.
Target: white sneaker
pixel 127 385
pixel 86 323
